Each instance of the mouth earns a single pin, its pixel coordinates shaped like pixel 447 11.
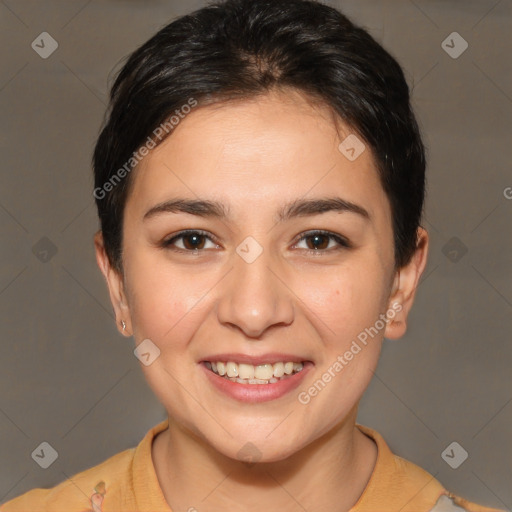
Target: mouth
pixel 246 373
pixel 255 378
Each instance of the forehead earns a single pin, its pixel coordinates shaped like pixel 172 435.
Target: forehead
pixel 254 153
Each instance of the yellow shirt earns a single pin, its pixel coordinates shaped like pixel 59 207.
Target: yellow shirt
pixel 127 482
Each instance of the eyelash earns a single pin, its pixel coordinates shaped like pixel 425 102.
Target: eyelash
pixel 343 242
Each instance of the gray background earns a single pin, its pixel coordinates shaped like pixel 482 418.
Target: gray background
pixel 67 377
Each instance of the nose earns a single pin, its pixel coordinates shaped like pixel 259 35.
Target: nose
pixel 255 297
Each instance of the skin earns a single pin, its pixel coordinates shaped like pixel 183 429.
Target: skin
pixel 254 156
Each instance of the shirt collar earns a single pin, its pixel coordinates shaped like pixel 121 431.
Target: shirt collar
pixel 395 482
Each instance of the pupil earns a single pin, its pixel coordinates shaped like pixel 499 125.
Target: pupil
pixel 316 239
pixel 194 244
pixel 196 241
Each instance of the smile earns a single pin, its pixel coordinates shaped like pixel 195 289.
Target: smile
pixel 244 373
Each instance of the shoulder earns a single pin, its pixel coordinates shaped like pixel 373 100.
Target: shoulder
pixel 451 503
pixel 83 492
pixel 405 486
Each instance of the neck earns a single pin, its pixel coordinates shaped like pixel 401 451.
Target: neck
pixel 330 473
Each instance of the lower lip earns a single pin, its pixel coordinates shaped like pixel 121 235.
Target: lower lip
pixel 257 392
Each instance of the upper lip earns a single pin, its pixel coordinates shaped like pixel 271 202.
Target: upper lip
pixel 269 358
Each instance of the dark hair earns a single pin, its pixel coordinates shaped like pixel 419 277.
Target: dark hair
pixel 242 48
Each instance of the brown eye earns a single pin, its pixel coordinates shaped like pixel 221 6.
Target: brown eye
pixel 319 241
pixel 188 241
pixel 193 241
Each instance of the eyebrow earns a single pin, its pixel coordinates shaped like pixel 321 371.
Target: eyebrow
pixel 296 208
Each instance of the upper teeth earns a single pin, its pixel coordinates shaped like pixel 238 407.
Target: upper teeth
pixel 248 371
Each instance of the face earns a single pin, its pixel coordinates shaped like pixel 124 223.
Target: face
pixel 287 258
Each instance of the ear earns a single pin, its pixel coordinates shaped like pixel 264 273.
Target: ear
pixel 115 285
pixel 404 288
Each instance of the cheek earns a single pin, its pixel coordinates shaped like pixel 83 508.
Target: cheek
pixel 346 301
pixel 159 301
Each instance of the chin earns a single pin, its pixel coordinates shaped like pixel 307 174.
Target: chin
pixel 254 449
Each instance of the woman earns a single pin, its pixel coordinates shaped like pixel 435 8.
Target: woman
pixel 260 184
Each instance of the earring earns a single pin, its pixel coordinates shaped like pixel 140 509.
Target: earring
pixel 123 325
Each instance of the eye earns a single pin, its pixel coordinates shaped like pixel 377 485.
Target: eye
pixel 191 240
pixel 195 240
pixel 319 241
